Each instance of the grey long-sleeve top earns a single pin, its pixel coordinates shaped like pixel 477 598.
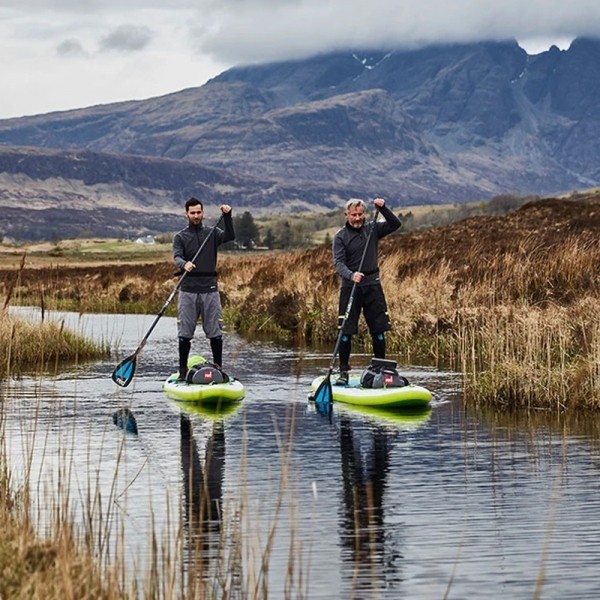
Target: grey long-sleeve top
pixel 349 243
pixel 203 278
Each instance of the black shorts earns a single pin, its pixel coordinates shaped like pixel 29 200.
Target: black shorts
pixel 369 300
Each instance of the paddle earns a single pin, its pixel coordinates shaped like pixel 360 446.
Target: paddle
pixel 323 396
pixel 123 373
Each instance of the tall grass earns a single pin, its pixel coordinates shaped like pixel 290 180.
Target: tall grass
pixel 521 324
pixel 46 345
pixel 511 301
pixel 110 288
pixel 65 526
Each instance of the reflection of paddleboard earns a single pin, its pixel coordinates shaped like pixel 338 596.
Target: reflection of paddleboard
pixel 407 418
pixel 407 396
pixel 210 411
pixel 205 393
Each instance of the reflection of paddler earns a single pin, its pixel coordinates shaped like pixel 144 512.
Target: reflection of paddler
pixel 203 487
pixel 365 454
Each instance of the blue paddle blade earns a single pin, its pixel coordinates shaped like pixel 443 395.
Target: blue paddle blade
pixel 125 419
pixel 123 374
pixel 324 395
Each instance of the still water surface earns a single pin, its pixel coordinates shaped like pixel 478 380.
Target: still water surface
pixel 450 503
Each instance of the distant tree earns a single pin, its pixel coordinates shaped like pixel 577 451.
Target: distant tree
pixel 246 230
pixel 269 239
pixel 163 238
pixel 284 239
pixel 301 236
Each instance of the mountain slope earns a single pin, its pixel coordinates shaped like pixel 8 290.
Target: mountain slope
pixel 446 123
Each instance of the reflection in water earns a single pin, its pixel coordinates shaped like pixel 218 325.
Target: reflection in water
pixel 203 496
pixel 124 418
pixel 539 423
pixel 365 464
pixel 365 449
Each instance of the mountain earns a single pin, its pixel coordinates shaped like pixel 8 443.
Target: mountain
pixel 46 194
pixel 446 123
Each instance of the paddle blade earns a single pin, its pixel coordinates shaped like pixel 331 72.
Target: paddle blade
pixel 125 419
pixel 123 374
pixel 324 394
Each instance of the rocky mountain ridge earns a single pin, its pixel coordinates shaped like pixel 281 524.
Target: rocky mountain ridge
pixel 446 123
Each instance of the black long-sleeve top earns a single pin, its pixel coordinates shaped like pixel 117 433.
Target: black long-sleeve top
pixel 203 278
pixel 349 243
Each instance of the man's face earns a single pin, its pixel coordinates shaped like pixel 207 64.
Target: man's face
pixel 355 216
pixel 195 214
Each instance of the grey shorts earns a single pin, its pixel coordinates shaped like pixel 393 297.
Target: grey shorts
pixel 192 307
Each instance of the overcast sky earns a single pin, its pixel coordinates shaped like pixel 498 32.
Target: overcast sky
pixel 64 54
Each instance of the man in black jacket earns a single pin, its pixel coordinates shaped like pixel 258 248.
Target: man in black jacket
pixel 348 247
pixel 199 294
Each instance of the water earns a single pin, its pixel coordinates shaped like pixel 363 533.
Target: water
pixel 450 503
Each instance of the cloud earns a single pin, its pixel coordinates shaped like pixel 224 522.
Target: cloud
pixel 61 54
pixel 266 30
pixel 126 38
pixel 71 47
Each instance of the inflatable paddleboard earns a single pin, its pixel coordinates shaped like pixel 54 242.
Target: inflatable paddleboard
pixel 230 391
pixel 213 393
pixel 407 396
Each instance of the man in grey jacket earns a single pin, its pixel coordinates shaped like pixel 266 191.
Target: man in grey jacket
pixel 199 294
pixel 348 246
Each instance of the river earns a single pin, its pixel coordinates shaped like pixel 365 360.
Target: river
pixel 450 503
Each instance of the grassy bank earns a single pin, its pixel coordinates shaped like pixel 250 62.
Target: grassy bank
pixel 43 346
pixel 512 301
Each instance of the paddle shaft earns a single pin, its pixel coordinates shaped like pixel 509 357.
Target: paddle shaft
pixel 351 299
pixel 175 289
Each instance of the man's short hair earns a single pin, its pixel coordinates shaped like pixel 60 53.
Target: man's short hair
pixel 193 202
pixel 355 203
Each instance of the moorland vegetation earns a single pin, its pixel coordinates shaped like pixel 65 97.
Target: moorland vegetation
pixel 511 300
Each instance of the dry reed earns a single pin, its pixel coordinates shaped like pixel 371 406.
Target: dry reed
pixel 47 552
pixel 46 345
pixel 509 301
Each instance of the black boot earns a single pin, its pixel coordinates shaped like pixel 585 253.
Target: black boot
pixel 185 345
pixel 378 345
pixel 342 378
pixel 345 348
pixel 216 346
